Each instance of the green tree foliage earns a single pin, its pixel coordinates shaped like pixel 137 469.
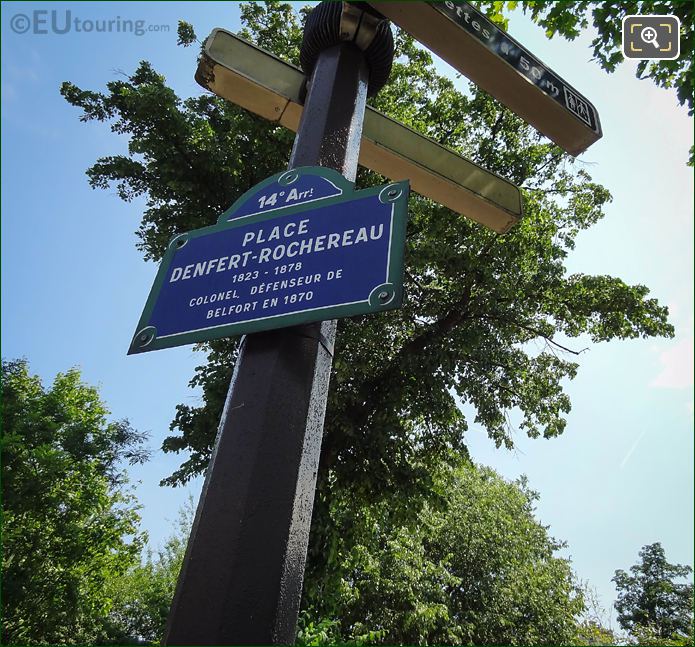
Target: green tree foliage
pixel 143 594
pixel 69 523
pixel 474 568
pixel 593 633
pixel 593 627
pixel 483 312
pixel 651 604
pixel 649 636
pixel 488 320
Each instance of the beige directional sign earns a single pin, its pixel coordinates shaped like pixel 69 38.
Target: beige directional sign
pixel 262 83
pixel 496 62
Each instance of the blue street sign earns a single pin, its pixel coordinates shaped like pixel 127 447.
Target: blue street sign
pixel 301 246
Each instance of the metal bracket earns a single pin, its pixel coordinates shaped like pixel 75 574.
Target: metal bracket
pixel 342 23
pixel 358 26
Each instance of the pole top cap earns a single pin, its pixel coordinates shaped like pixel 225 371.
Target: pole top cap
pixel 333 23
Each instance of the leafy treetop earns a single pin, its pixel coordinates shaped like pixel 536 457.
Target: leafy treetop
pixel 487 317
pixel 69 524
pixel 650 599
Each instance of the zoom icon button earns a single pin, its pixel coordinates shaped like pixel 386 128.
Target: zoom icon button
pixel 651 37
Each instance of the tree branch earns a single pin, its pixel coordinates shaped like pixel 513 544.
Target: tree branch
pixel 535 332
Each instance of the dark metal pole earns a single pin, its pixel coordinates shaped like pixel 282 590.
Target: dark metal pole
pixel 242 575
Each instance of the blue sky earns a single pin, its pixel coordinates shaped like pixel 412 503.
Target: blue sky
pixel 73 284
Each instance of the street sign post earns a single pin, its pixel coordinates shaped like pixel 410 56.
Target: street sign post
pixel 264 84
pixel 492 59
pixel 241 578
pixel 301 246
pixel 306 231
